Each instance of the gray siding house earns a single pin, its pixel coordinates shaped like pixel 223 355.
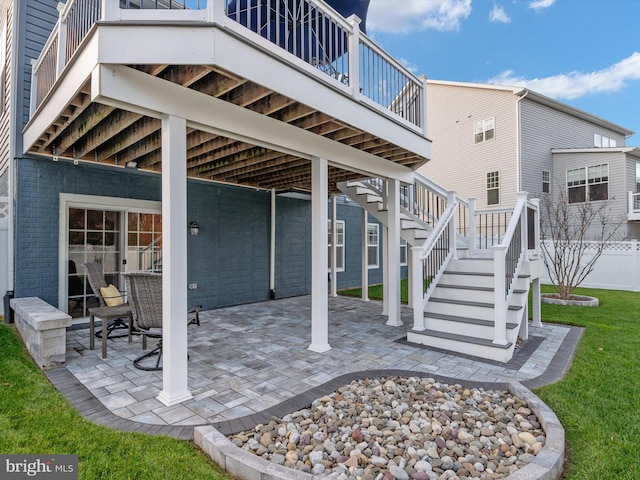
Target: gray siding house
pixel 490 142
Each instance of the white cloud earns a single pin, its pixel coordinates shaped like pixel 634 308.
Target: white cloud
pixel 412 67
pixel 577 84
pixel 410 15
pixel 540 4
pixel 498 14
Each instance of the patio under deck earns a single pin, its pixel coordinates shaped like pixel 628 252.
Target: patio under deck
pixel 250 362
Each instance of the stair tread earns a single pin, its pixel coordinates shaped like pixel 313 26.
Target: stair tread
pixel 474 321
pixel 471 287
pixel 471 304
pixel 478 274
pixel 461 338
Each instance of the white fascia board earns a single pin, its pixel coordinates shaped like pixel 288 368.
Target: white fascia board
pixel 68 85
pixel 152 44
pixel 130 89
pixel 259 61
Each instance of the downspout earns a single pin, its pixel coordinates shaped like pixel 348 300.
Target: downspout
pixel 272 248
pixel 519 141
pixel 13 138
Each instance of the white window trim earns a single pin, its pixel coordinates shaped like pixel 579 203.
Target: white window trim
pixel 342 222
pixel 482 124
pixel 377 245
pixel 487 189
pixel 404 246
pixel 547 182
pixel 587 184
pixel 99 203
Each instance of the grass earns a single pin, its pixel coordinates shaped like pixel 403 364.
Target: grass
pixel 598 402
pixel 35 418
pixel 375 292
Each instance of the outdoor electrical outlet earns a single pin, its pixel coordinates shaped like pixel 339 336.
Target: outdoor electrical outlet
pixel 193 286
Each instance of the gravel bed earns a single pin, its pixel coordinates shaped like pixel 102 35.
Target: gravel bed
pixel 402 428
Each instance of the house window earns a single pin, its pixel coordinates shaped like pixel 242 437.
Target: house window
pixel 546 181
pixel 373 245
pixel 485 130
pixel 598 182
pixel 591 183
pixel 637 177
pixel 403 252
pixel 493 188
pixel 602 141
pixel 339 245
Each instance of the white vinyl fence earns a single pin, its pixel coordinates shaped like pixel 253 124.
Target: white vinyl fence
pixel 617 269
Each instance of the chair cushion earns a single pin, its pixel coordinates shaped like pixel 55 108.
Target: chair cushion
pixel 111 296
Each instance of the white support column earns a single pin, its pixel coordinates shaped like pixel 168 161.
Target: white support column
pixel 365 257
pixel 319 256
pixel 334 247
pixel 272 248
pixel 392 268
pixel 383 239
pixel 174 261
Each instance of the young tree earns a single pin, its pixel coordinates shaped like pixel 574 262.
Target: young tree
pixel 569 230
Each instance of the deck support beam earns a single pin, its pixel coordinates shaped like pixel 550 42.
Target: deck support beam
pixel 392 247
pixel 174 261
pixel 319 255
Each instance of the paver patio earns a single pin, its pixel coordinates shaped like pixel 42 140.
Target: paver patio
pixel 250 362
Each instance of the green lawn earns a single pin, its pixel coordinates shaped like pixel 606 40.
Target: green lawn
pixel 598 404
pixel 35 418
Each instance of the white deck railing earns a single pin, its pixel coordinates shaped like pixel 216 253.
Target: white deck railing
pixel 308 29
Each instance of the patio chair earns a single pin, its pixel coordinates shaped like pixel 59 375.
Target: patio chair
pixel 111 302
pixel 145 298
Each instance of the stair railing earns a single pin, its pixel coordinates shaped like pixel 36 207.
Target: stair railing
pixel 430 260
pixel 509 257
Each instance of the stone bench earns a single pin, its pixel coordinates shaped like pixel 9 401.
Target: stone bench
pixel 43 329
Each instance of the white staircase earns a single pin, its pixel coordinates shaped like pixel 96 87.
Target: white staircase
pixel 458 310
pixel 412 229
pixel 459 315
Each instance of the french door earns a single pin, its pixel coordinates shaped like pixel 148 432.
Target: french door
pixel 123 236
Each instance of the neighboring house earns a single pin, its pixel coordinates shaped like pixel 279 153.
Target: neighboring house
pixel 128 128
pixel 490 142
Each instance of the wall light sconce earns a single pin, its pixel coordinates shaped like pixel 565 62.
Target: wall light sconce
pixel 132 164
pixel 194 228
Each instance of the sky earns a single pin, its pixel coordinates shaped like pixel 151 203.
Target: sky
pixel 585 53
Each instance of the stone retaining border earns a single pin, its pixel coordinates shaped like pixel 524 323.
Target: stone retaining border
pixel 547 465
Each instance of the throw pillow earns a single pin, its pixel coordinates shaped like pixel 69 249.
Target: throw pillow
pixel 111 296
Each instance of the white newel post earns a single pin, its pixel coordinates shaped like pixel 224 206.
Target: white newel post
pixel 453 247
pixel 216 11
pixel 393 253
pixel 33 98
pixel 365 256
pixel 319 255
pixel 500 300
pixel 354 55
pixel 417 282
pixel 175 388
pixel 110 10
pixel 61 55
pixel 472 226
